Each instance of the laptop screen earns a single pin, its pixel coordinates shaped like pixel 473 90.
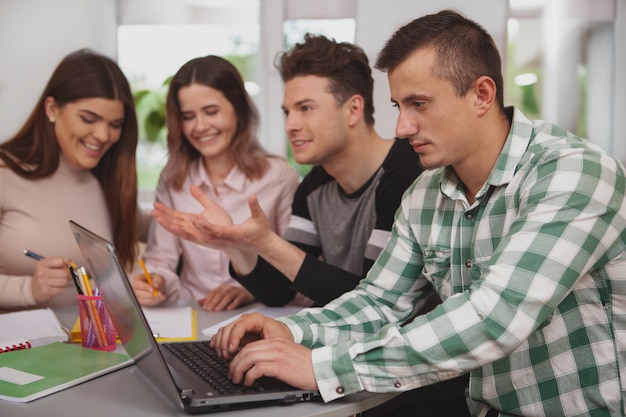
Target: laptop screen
pixel 192 393
pixel 132 327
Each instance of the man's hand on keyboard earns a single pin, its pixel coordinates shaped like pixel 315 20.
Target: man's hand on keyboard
pixel 248 327
pixel 274 357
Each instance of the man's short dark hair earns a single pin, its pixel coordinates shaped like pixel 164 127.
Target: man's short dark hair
pixel 464 49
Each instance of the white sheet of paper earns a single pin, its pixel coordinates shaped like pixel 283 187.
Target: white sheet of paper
pixel 170 322
pixel 15 376
pixel 273 312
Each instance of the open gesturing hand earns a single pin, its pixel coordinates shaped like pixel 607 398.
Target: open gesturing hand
pixel 213 227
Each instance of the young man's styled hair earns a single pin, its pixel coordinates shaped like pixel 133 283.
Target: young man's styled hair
pixel 464 50
pixel 344 64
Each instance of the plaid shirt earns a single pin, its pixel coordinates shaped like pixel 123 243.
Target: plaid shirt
pixel 533 278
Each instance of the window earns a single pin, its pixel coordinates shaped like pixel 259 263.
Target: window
pixel 342 30
pixel 150 54
pixel 557 63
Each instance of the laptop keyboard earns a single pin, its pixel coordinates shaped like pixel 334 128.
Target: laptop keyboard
pixel 203 360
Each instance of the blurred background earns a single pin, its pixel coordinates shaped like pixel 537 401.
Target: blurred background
pixel 564 60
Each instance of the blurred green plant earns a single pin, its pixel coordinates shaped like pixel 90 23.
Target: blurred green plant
pixel 302 170
pixel 150 107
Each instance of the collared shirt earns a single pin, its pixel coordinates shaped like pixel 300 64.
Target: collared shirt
pixel 204 269
pixel 533 278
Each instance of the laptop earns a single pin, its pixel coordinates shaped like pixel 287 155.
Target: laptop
pixel 164 365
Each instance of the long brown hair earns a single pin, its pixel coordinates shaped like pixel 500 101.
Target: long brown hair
pixel 34 151
pixel 245 149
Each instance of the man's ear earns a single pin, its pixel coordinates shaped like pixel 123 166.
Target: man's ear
pixel 51 108
pixel 485 92
pixel 354 106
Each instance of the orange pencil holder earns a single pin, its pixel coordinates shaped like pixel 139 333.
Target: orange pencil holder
pixel 96 328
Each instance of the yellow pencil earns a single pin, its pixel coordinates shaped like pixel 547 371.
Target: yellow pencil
pixel 83 273
pixel 148 277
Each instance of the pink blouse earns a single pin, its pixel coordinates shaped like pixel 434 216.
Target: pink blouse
pixel 204 269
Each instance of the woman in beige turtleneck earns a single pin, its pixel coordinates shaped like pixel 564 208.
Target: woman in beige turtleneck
pixel 74 158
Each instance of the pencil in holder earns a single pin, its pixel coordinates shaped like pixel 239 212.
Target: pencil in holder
pixel 96 328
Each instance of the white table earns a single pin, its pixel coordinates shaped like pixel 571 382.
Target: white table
pixel 126 393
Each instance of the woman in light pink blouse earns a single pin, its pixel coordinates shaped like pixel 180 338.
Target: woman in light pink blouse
pixel 212 144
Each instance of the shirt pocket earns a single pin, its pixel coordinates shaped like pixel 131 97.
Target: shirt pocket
pixel 437 265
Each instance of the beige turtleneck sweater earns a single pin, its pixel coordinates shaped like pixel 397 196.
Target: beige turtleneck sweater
pixel 34 215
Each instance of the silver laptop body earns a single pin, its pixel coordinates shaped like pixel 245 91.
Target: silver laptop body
pixel 164 371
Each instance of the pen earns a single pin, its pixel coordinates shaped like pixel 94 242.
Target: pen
pixel 71 267
pixel 75 279
pixel 148 277
pixel 33 255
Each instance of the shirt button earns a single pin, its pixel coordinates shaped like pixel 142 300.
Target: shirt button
pixel 468 263
pixel 340 390
pixel 397 384
pixel 469 215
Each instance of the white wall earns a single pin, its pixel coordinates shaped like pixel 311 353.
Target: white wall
pixel 73 24
pixel 619 91
pixel 590 32
pixel 272 133
pixel 34 37
pixel 36 34
pixel 599 51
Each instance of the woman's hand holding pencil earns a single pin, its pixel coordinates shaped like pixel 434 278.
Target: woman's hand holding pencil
pixel 148 287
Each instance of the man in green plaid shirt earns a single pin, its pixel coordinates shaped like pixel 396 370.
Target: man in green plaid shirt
pixel 518 225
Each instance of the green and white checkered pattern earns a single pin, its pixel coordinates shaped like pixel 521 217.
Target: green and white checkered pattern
pixel 533 278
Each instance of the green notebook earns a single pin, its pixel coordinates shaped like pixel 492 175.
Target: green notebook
pixel 28 374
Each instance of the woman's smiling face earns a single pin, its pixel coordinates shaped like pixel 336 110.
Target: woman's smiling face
pixel 209 121
pixel 85 129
